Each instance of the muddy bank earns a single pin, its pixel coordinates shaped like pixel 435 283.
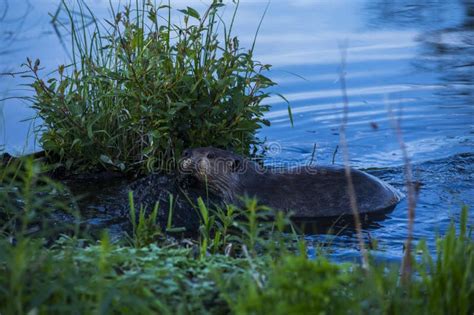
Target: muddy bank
pixel 104 201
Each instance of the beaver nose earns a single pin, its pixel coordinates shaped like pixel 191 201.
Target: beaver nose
pixel 186 163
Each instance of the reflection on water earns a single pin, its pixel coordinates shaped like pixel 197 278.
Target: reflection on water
pixel 11 27
pixel 17 18
pixel 412 13
pixel 414 56
pixel 449 52
pixel 12 23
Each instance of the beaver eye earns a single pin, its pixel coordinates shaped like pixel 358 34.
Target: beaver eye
pixel 211 155
pixel 186 153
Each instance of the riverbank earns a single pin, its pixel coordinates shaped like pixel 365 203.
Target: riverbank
pixel 76 276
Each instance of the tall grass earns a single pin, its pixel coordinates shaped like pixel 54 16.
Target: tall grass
pixel 31 204
pixel 145 229
pixel 296 285
pixel 109 278
pixel 140 88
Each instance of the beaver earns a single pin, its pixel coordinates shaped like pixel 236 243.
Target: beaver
pixel 304 191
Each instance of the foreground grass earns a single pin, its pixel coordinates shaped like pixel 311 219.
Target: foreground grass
pixel 106 278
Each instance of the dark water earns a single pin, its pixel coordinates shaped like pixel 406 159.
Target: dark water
pixel 414 57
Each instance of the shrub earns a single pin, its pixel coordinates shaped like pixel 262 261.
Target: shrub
pixel 140 89
pixel 296 285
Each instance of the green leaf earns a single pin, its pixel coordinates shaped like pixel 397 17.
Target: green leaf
pixel 90 134
pixel 106 159
pixel 76 141
pixel 191 12
pixel 290 114
pixel 203 210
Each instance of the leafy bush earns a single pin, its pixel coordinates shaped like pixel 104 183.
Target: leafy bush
pixel 141 89
pixel 296 285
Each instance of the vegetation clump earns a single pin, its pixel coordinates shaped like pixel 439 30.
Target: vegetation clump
pixel 31 203
pixel 440 285
pixel 142 88
pixel 75 276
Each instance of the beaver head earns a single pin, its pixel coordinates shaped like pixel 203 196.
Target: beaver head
pixel 218 169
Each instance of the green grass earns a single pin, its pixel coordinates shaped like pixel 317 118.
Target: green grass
pixel 105 278
pixel 295 285
pixel 140 89
pixel 31 203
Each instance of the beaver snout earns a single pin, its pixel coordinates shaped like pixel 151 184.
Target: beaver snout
pixel 186 163
pixel 193 165
pixel 186 166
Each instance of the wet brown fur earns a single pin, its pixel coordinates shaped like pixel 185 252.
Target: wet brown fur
pixel 306 191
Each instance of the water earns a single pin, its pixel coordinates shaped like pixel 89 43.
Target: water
pixel 415 58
